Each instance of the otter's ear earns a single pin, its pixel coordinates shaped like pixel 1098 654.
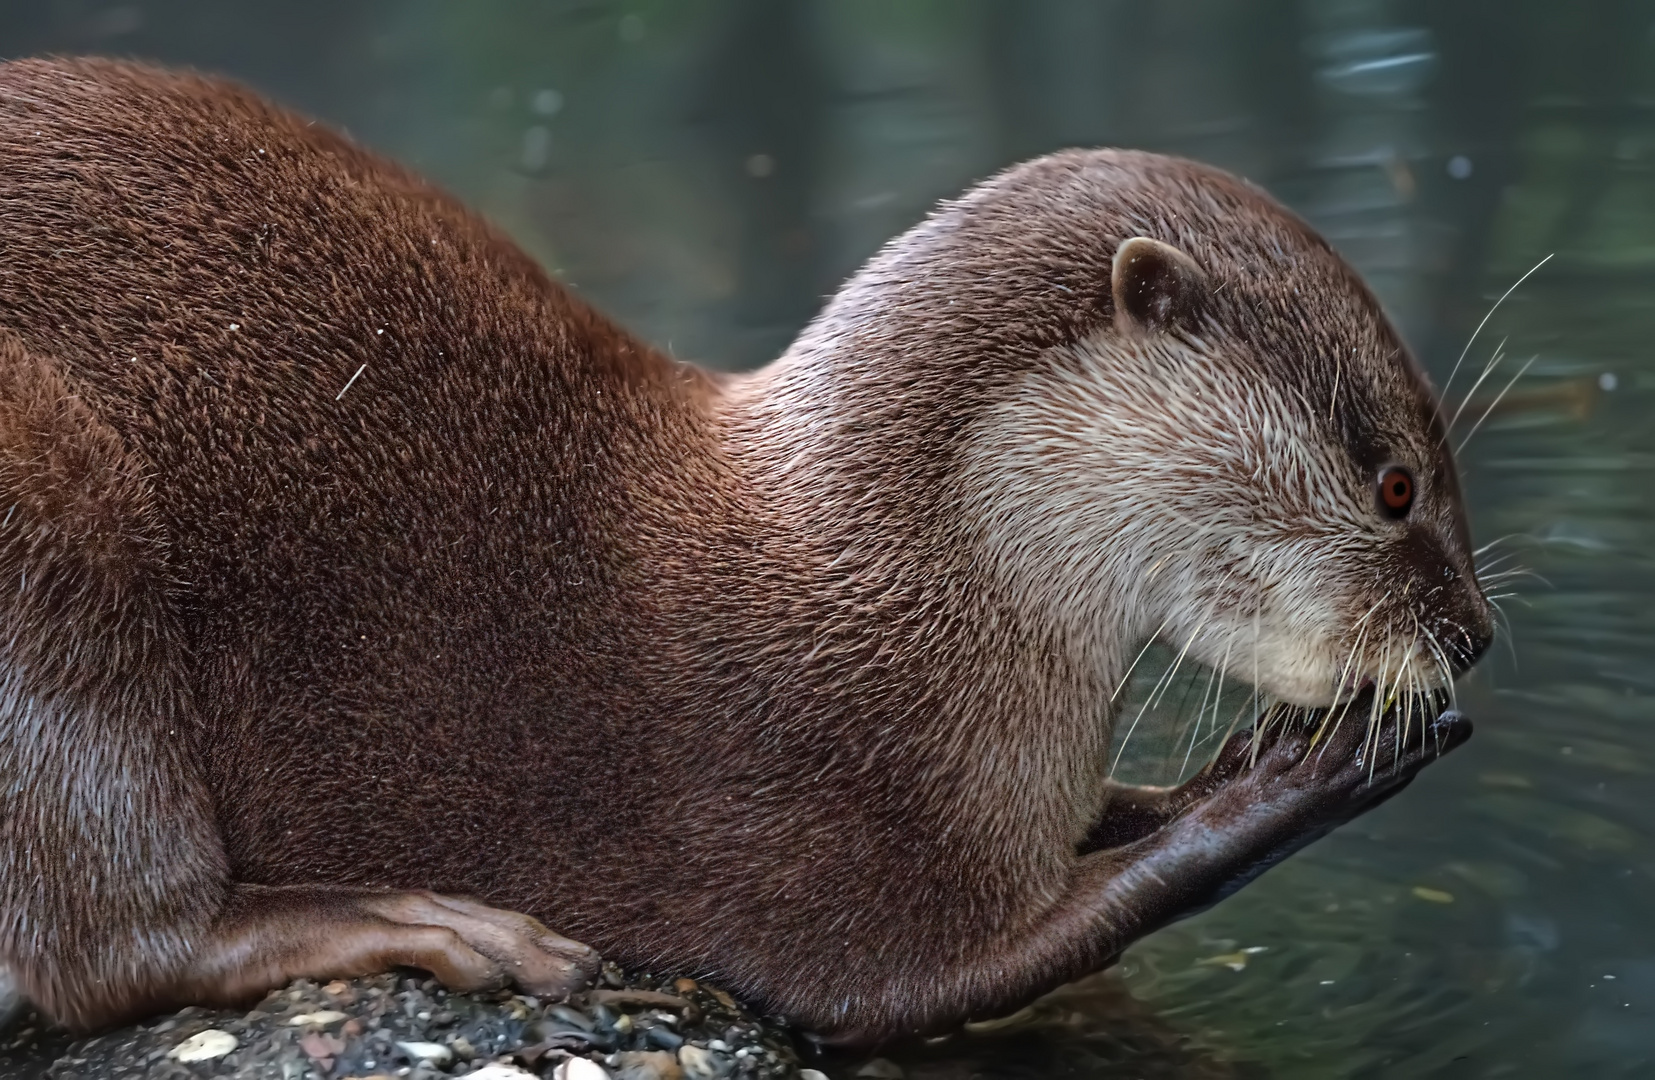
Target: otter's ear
pixel 1156 286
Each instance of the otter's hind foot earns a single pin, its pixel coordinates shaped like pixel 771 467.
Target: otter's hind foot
pixel 271 935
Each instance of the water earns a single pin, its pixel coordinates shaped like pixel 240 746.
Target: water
pixel 707 171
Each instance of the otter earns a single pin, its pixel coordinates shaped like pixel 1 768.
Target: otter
pixel 370 600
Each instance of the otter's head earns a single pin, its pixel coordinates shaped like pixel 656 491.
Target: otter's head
pixel 1127 395
pixel 1222 442
pixel 1298 518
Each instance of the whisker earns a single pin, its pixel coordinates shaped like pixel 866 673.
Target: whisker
pixel 1442 662
pixel 1235 720
pixel 1508 575
pixel 1494 563
pixel 1392 699
pixel 1479 552
pixel 1413 656
pixel 1262 724
pixel 1212 610
pixel 1488 369
pixel 1333 402
pixel 1370 738
pixel 1417 699
pixel 1182 710
pixel 1257 719
pixel 1218 674
pixel 1159 687
pixel 1153 638
pixel 1350 699
pixel 1504 621
pixel 1179 661
pixel 1340 689
pixel 1404 705
pixel 1494 404
pixel 1351 659
pixel 1223 674
pixel 1415 691
pixel 1207 619
pixel 1473 339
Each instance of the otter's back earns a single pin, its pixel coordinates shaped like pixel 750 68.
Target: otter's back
pixel 391 460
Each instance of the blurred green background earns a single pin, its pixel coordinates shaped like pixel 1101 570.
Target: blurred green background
pixel 708 171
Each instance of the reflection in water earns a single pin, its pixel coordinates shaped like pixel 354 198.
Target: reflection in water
pixel 1094 1028
pixel 707 171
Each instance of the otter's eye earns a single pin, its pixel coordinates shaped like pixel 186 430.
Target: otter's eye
pixel 1396 492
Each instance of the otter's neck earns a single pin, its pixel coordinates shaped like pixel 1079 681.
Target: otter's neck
pixel 898 619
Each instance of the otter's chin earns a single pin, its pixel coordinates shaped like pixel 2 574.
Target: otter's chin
pixel 1303 696
pixel 1288 669
pixel 1310 689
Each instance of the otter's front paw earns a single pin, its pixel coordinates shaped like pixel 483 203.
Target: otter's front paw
pixel 1270 793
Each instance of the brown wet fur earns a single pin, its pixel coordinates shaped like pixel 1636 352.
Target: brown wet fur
pixel 522 613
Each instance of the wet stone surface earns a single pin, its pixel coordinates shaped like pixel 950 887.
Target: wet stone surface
pixel 624 1028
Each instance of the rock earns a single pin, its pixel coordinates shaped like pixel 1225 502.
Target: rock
pixel 702 1064
pixel 881 1069
pixel 647 998
pixel 812 1074
pixel 580 1069
pixel 651 1065
pixel 665 1038
pixel 434 1053
pixel 497 1071
pixel 570 1016
pixel 204 1046
pixel 394 1025
pixel 316 1019
pixel 318 1046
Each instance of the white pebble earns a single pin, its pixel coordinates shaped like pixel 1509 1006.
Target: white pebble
pixel 316 1019
pixel 578 1069
pixel 500 1071
pixel 435 1053
pixel 696 1062
pixel 209 1044
pixel 812 1074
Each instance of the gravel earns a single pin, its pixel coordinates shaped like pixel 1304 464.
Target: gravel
pixel 625 1028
